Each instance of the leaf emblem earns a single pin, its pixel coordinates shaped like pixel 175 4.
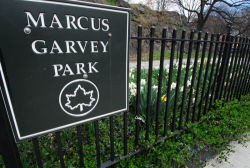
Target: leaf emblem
pixel 80 99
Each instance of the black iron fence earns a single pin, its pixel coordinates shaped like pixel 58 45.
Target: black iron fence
pixel 185 74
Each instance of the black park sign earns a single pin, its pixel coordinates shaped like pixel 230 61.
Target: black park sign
pixel 63 63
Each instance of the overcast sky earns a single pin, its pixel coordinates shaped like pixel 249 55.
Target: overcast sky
pixel 172 7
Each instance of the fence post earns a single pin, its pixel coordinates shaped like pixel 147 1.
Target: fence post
pixel 222 71
pixel 8 148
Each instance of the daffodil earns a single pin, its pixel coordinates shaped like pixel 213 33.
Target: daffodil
pixel 132 85
pixel 164 98
pixel 133 92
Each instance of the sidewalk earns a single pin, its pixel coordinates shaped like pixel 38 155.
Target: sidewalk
pixel 240 158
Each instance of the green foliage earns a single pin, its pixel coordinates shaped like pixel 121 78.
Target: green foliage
pixel 112 2
pixel 227 122
pixel 224 123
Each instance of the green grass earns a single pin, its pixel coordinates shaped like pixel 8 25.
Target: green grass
pixel 157 55
pixel 229 121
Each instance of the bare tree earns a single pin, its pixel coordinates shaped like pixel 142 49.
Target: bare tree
pixel 236 20
pixel 162 4
pixel 159 5
pixel 189 4
pixel 202 9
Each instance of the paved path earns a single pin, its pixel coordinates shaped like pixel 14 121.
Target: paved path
pixel 240 158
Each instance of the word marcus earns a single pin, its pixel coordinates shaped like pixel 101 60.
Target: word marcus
pixel 68 22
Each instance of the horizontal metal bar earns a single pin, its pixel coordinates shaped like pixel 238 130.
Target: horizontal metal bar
pixel 170 39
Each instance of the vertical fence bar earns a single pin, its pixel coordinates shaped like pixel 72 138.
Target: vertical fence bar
pixel 199 76
pixel 237 62
pixel 244 61
pixel 222 70
pixel 173 44
pixel 238 69
pixel 217 71
pixel 160 77
pixel 60 149
pixel 229 67
pixel 232 65
pixel 227 59
pixel 211 73
pixel 183 36
pixel 8 147
pixel 246 82
pixel 112 138
pixel 233 80
pixel 97 144
pixel 125 133
pixel 193 75
pixel 138 83
pixel 36 147
pixel 205 76
pixel 149 88
pixel 80 145
pixel 190 48
pixel 248 74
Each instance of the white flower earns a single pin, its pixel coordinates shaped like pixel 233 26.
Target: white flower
pixel 131 75
pixel 143 82
pixel 193 100
pixel 133 92
pixel 132 85
pixel 155 87
pixel 189 83
pixel 181 89
pixel 173 85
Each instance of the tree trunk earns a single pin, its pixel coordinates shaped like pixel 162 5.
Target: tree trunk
pixel 200 24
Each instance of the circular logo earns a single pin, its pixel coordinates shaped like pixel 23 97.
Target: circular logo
pixel 79 97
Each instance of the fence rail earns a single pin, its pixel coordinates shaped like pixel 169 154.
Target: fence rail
pixel 202 68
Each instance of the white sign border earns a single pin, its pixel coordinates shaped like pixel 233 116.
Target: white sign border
pixel 83 5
